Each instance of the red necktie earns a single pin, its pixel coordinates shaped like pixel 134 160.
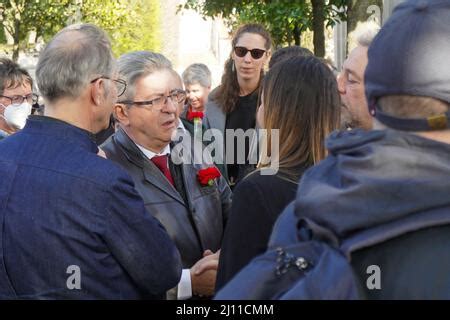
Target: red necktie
pixel 162 163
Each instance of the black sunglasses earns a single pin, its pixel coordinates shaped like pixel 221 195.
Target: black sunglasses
pixel 242 51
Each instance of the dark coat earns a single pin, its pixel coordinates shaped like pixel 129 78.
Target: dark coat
pixel 258 200
pixel 194 226
pixel 62 207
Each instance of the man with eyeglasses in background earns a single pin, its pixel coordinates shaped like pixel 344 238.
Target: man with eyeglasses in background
pixel 16 97
pixel 73 225
pixel 193 214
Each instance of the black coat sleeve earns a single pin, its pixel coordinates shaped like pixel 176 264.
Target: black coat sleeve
pixel 247 232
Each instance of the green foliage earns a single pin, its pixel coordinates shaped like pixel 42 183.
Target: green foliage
pixel 131 24
pixel 19 17
pixel 282 21
pixel 335 11
pixel 286 20
pixel 2 35
pixel 45 17
pixel 141 33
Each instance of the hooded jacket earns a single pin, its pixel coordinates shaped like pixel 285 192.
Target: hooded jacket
pixel 379 201
pixel 374 178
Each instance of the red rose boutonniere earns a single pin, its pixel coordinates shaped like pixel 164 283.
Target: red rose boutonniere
pixel 207 176
pixel 194 115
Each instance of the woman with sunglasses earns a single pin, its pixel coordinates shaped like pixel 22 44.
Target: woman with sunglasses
pixel 233 104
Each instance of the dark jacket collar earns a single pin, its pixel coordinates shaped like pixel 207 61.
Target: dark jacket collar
pixel 151 173
pixel 132 152
pixel 51 126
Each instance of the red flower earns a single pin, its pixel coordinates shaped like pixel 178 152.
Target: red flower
pixel 191 115
pixel 206 176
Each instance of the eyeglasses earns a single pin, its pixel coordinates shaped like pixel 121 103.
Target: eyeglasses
pixel 242 51
pixel 157 104
pixel 31 98
pixel 121 85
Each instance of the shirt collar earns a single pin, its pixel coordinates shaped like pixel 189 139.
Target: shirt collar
pixel 150 154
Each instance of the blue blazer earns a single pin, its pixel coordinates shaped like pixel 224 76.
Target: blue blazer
pixel 72 225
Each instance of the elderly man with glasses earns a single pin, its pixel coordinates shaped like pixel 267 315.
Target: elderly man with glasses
pixel 16 97
pixel 193 212
pixel 73 225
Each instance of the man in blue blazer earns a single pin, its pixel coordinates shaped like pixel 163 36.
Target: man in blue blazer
pixel 72 224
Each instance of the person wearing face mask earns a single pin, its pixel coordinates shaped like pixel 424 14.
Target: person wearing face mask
pixel 73 225
pixel 16 97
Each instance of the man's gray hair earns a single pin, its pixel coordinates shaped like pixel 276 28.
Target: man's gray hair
pixel 134 65
pixel 75 56
pixel 197 73
pixel 363 34
pixel 12 75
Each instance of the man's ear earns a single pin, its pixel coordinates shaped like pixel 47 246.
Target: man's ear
pixel 98 91
pixel 121 113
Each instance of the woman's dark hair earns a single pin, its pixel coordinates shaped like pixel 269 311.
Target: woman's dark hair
pixel 301 99
pixel 288 52
pixel 228 92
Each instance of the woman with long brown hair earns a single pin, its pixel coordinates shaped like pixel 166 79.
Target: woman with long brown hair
pixel 300 104
pixel 233 104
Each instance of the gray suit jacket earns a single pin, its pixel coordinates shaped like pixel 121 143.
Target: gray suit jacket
pixel 215 118
pixel 194 226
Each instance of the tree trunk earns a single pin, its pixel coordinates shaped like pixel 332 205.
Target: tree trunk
pixel 16 37
pixel 297 36
pixel 318 22
pixel 38 34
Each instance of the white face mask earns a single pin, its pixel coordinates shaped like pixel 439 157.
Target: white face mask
pixel 16 115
